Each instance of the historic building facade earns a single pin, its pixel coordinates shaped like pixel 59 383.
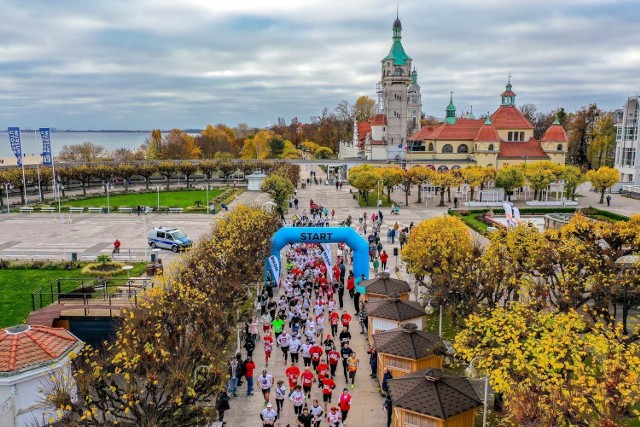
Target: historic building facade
pixel 502 138
pixel 628 143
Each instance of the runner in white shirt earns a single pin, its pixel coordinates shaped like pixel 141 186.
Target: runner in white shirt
pixel 334 417
pixel 264 382
pixel 268 416
pixel 294 348
pixel 317 411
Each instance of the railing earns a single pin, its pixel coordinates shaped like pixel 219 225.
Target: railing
pixel 125 255
pixel 72 289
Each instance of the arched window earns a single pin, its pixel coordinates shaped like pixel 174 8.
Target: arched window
pixel 559 147
pixel 431 146
pixel 443 168
pixel 456 167
pixel 447 148
pixel 462 148
pixel 415 122
pixel 490 147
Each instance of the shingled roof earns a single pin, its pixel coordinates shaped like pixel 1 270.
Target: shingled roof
pixel 25 346
pixel 408 342
pixel 385 285
pixel 433 393
pixel 394 309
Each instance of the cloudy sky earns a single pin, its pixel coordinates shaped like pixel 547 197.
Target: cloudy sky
pixel 141 64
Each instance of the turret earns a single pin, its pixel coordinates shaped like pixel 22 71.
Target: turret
pixel 451 112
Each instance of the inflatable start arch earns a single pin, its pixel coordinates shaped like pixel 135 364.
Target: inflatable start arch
pixel 359 246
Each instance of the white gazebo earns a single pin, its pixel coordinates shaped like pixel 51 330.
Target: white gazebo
pixel 254 181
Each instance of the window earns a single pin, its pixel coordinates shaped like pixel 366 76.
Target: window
pixel 395 363
pixel 431 146
pixel 413 420
pixel 510 136
pixel 521 136
pixel 490 147
pixel 559 147
pixel 447 148
pixel 443 168
pixel 160 234
pixel 462 148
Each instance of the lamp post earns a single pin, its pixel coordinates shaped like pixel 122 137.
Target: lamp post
pixel 158 190
pixel 7 187
pixel 471 372
pixel 107 187
pixel 429 310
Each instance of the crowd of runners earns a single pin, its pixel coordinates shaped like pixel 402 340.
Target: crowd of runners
pixel 307 324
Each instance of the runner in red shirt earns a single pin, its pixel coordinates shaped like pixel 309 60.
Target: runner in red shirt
pixel 345 319
pixel 327 389
pixel 351 285
pixel 334 319
pixel 323 369
pixel 384 257
pixel 316 352
pixel 267 343
pixel 292 373
pixel 345 404
pixel 334 357
pixel 307 381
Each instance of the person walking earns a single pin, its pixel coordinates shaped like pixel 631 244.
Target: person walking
pixel 317 412
pixel 249 345
pixel 267 344
pixel 388 406
pixel 353 363
pixel 376 265
pixel 363 317
pixel 222 404
pixel 295 203
pixel 328 384
pixel 249 366
pixel 334 357
pixel 265 381
pixel 281 392
pixel 268 416
pixel 345 405
pixel 402 238
pixel 334 417
pixel 307 379
pixel 297 397
pixel 341 292
pixel 351 285
pixel 345 352
pixel 608 200
pixel 233 370
pixel 333 214
pixel 384 258
pixel 116 246
pixel 305 419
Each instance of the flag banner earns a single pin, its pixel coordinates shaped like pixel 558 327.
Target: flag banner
pixel 274 266
pixel 16 145
pixel 326 257
pixel 47 158
pixel 326 247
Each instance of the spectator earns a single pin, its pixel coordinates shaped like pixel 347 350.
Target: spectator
pixel 249 366
pixel 384 258
pixel 222 404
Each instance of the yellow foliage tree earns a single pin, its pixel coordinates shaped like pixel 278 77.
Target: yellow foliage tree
pixel 603 178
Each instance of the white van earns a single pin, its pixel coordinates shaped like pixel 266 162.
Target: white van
pixel 168 238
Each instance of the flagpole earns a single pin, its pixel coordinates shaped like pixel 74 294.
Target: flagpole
pixel 35 137
pixel 24 182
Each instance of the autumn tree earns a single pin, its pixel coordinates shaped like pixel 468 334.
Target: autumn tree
pixel 580 131
pixel 153 145
pixel 364 178
pixel 279 188
pixel 87 152
pixel 146 170
pixel 291 171
pixel 187 169
pixel 474 176
pixel 508 178
pixel 167 169
pixel 323 152
pixel 179 145
pixel 420 175
pixel 127 155
pixel 227 168
pixel 603 178
pixel 573 177
pixel 553 368
pixel 540 175
pixel 365 109
pixel 276 146
pixel 213 140
pixel 169 356
pixel 601 151
pixel 126 171
pixel 390 177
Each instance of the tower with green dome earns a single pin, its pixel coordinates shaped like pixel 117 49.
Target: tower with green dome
pixel 399 97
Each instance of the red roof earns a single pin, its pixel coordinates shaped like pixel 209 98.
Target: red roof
pixel 363 129
pixel 509 117
pixel 530 149
pixel 555 133
pixel 508 93
pixel 487 133
pixel 24 346
pixel 462 129
pixel 379 120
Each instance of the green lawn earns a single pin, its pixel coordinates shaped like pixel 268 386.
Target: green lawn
pixel 17 285
pixel 176 199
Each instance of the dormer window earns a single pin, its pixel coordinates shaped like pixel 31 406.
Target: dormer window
pixel 559 147
pixel 490 147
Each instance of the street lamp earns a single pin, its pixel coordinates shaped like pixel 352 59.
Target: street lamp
pixel 429 311
pixel 8 187
pixel 158 190
pixel 107 187
pixel 471 372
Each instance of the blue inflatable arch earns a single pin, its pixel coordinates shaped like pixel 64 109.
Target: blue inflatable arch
pixel 359 246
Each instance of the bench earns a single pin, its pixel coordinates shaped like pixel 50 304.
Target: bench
pixel 94 210
pixel 176 210
pixel 125 209
pixel 76 209
pixel 26 209
pixel 47 210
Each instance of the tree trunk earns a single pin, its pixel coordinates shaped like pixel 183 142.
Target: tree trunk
pixel 406 196
pixel 126 183
pixel 448 194
pixel 187 176
pixel 441 197
pixel 84 190
pixel 602 196
pixel 167 182
pixel 389 194
pixel 473 190
pixel 419 193
pixel 146 182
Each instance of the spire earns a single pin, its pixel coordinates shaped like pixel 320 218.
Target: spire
pixel 451 111
pixel 555 120
pixel 488 121
pixel 508 96
pixel 470 114
pixel 397 53
pixel 397 25
pixel 414 76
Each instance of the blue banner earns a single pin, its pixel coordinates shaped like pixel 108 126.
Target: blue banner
pixel 16 145
pixel 47 158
